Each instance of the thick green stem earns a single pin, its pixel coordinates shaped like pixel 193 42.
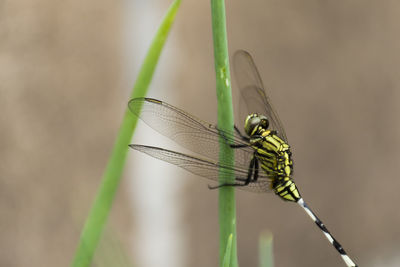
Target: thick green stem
pixel 98 214
pixel 227 204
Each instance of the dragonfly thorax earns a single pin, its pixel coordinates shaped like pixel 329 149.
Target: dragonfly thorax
pixel 255 124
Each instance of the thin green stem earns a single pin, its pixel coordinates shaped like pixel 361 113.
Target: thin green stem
pixel 227 204
pixel 265 250
pixel 98 214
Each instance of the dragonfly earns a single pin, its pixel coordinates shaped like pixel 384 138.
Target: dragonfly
pixel 262 156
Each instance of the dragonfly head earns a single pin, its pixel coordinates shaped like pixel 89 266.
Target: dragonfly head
pixel 255 124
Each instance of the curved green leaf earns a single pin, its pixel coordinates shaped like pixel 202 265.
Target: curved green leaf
pixel 98 214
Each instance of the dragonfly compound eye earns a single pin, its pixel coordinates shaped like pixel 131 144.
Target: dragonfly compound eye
pixel 264 123
pixel 252 124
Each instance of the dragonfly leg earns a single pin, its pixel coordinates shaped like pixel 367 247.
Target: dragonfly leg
pixel 223 185
pixel 245 138
pixel 254 140
pixel 222 134
pixel 240 145
pixel 253 172
pixel 256 169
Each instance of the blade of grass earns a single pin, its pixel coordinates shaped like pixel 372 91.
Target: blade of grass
pixel 227 256
pixel 265 251
pixel 98 214
pixel 227 204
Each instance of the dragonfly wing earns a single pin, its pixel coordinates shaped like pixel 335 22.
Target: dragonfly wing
pixel 253 91
pixel 187 130
pixel 206 168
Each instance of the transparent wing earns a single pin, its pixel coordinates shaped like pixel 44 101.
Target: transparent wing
pixel 188 131
pixel 206 168
pixel 253 92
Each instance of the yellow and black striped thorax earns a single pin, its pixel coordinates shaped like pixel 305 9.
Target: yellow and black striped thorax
pixel 275 159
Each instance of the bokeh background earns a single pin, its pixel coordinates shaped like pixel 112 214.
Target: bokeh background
pixel 66 70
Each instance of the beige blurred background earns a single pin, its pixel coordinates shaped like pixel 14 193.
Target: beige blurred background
pixel 66 70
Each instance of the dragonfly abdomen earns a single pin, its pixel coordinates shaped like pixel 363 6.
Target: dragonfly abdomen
pixel 286 189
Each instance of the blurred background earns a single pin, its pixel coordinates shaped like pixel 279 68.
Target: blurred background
pixel 66 71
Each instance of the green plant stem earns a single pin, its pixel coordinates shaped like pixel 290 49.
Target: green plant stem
pixel 98 214
pixel 265 250
pixel 227 255
pixel 227 204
